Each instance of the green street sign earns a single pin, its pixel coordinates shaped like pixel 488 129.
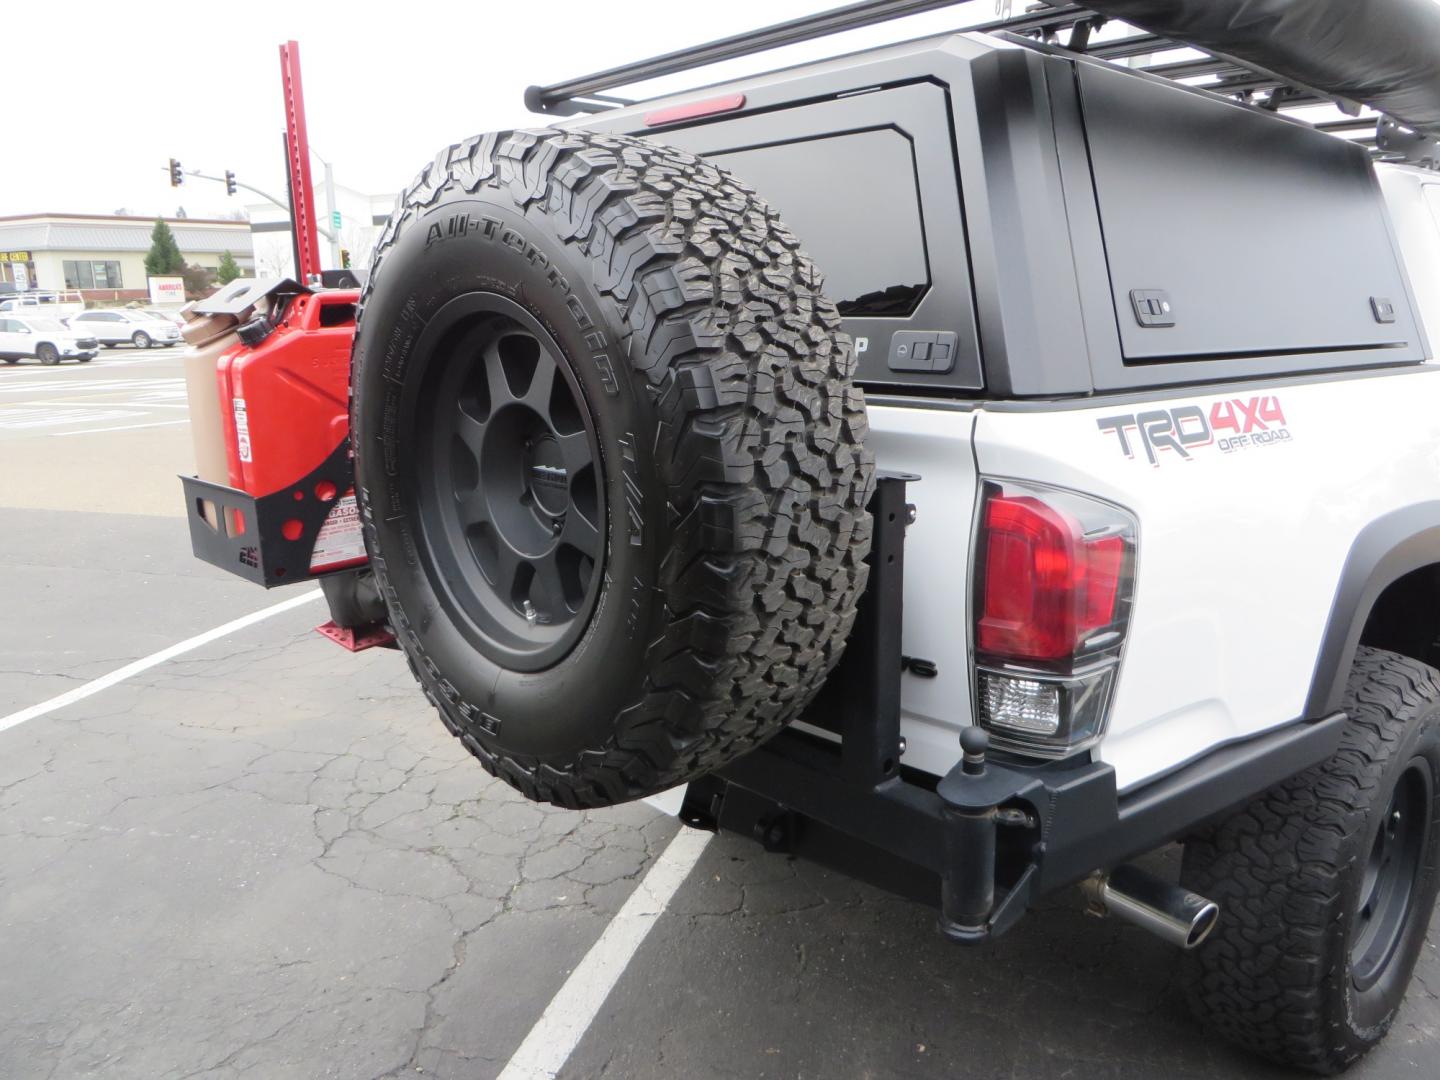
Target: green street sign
pixel 335 219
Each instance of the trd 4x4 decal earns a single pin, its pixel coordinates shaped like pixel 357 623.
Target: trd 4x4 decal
pixel 1231 425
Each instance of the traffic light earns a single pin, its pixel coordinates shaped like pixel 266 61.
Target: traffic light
pixel 229 182
pixel 344 259
pixel 176 176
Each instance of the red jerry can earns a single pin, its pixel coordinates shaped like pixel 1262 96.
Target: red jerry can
pixel 284 404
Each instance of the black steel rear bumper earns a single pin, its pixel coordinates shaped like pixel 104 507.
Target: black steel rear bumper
pixel 247 534
pixel 980 845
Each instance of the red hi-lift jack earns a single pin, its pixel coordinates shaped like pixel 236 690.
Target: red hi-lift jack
pixel 280 369
pixel 307 264
pixel 297 165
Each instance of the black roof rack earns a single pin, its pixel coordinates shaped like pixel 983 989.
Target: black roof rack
pixel 1227 74
pixel 582 94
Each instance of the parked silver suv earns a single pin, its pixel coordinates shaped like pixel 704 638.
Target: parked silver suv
pixel 127 328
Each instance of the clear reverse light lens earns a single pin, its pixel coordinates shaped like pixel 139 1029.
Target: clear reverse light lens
pixel 1028 705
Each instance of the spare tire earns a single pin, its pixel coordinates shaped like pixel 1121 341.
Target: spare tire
pixel 611 466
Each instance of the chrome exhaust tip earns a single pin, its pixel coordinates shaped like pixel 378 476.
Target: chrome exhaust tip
pixel 1171 913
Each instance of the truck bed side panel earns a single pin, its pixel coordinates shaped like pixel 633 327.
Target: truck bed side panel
pixel 1245 526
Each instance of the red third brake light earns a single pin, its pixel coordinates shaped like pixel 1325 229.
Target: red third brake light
pixel 1046 589
pixel 695 109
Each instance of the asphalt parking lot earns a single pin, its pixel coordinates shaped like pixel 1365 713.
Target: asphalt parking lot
pixel 266 858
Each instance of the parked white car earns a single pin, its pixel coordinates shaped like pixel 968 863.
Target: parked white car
pixel 43 338
pixel 126 328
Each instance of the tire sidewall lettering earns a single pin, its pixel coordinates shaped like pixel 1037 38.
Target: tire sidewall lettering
pixel 523 263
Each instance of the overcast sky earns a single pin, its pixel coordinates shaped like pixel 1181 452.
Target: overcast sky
pixel 98 94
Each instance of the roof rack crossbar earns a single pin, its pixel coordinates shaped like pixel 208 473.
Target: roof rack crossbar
pixel 1135 45
pixel 1359 123
pixel 1250 84
pixel 558 98
pixel 1189 69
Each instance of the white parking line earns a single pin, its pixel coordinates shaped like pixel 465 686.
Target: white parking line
pixel 107 403
pixel 122 427
pixel 98 363
pixel 119 675
pixel 570 1013
pixel 94 385
pixel 24 417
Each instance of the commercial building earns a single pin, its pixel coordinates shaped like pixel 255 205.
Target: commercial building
pixel 103 255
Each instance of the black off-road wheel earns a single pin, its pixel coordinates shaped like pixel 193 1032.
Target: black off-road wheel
pixel 610 462
pixel 1327 883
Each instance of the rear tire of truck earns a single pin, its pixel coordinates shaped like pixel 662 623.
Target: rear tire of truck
pixel 1326 883
pixel 610 462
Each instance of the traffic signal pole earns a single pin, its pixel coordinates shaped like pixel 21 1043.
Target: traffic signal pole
pixel 333 237
pixel 297 163
pixel 305 227
pixel 238 183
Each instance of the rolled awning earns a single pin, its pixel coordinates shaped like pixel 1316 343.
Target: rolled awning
pixel 1380 53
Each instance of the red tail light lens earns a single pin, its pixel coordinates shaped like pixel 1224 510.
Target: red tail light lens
pixel 1051 583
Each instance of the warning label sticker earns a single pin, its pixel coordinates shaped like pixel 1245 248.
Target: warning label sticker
pixel 339 542
pixel 242 429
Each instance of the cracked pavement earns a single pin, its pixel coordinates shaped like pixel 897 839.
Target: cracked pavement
pixel 267 858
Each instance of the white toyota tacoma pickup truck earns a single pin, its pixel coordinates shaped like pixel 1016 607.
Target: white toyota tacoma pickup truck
pixel 1089 502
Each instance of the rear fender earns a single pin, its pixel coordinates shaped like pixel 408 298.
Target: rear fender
pixel 1387 549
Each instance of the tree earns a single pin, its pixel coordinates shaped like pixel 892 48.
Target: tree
pixel 229 269
pixel 199 280
pixel 164 259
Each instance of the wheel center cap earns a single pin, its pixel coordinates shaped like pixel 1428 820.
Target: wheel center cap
pixel 547 478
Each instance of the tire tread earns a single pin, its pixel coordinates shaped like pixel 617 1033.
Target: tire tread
pixel 1279 870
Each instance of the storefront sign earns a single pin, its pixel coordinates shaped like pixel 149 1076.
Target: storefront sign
pixel 167 290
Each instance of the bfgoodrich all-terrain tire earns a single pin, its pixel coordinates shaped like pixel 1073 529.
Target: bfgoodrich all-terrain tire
pixel 1327 882
pixel 610 462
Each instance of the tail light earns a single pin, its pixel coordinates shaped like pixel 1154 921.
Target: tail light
pixel 1054 582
